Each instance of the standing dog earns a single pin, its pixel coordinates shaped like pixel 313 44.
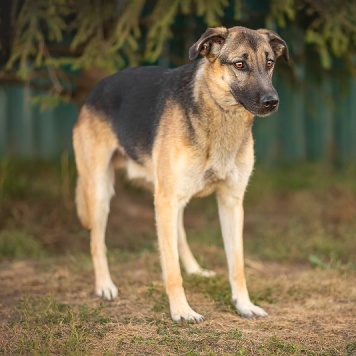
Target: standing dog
pixel 187 131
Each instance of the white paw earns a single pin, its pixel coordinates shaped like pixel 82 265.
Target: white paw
pixel 108 291
pixel 188 315
pixel 203 272
pixel 249 310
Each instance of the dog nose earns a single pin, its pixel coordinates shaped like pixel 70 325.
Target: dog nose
pixel 269 101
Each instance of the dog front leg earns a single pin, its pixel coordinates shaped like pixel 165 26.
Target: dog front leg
pixel 231 215
pixel 167 215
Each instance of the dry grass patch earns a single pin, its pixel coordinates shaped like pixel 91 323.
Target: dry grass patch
pixel 311 311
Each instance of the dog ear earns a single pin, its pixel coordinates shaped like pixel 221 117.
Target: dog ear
pixel 209 44
pixel 279 46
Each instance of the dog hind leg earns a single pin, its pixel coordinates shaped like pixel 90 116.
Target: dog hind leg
pixel 82 204
pixel 189 262
pixel 94 146
pixel 101 191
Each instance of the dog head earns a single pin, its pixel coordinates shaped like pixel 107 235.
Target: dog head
pixel 239 66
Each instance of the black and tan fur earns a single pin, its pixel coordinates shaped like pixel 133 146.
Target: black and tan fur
pixel 187 132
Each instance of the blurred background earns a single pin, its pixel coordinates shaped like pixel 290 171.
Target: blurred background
pixel 53 52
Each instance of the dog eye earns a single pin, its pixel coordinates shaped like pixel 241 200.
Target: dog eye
pixel 269 63
pixel 240 65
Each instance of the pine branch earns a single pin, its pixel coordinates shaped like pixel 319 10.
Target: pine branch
pixel 212 11
pixel 127 27
pixel 29 40
pixel 159 27
pixel 333 29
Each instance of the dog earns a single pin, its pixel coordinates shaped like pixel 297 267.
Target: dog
pixel 188 133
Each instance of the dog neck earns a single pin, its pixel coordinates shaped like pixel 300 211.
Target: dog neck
pixel 224 124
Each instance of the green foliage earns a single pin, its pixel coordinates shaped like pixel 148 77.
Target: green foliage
pixel 333 28
pixel 90 21
pixel 161 20
pixel 280 13
pixel 30 40
pixel 29 50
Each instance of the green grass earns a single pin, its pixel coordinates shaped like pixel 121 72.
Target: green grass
pixel 158 296
pixel 351 349
pixel 42 325
pixel 16 245
pixel 22 178
pixel 216 288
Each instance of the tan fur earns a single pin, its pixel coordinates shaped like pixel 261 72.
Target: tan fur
pixel 220 160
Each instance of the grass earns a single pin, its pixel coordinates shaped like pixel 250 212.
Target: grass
pixel 15 245
pixel 299 240
pixel 38 179
pixel 42 326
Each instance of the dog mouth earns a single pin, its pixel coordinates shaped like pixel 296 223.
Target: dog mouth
pixel 268 112
pixel 257 110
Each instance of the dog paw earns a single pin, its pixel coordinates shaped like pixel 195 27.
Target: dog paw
pixel 250 311
pixel 188 315
pixel 107 292
pixel 203 273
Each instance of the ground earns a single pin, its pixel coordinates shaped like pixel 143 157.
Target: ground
pixel 300 247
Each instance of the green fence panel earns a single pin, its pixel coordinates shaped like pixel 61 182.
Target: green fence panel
pixel 316 121
pixel 21 140
pixel 352 115
pixel 265 134
pixel 318 116
pixel 26 130
pixel 344 121
pixel 291 125
pixel 47 132
pixel 66 117
pixel 3 120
